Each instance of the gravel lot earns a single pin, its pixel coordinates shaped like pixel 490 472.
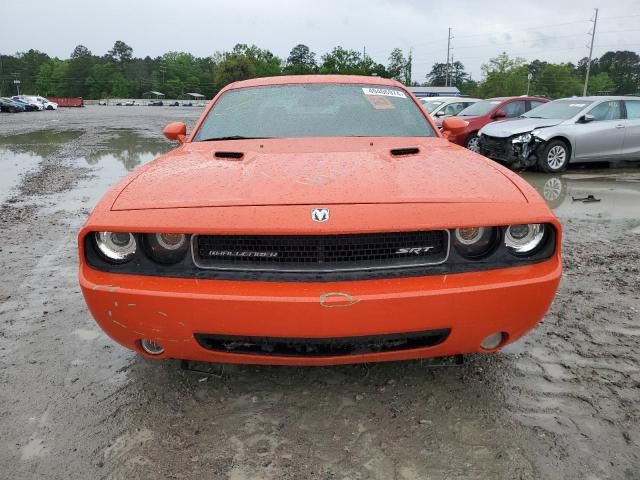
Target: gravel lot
pixel 562 403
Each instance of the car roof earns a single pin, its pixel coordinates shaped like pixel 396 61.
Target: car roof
pixel 524 97
pixel 302 79
pixel 596 98
pixel 446 99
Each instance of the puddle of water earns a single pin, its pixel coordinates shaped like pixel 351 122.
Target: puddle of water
pixel 113 159
pixel 129 148
pixel 42 142
pixel 13 166
pixel 618 192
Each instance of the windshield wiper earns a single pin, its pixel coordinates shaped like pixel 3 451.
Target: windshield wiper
pixel 232 137
pixel 529 116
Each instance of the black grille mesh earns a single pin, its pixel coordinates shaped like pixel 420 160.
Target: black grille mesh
pixel 321 252
pixel 494 146
pixel 321 347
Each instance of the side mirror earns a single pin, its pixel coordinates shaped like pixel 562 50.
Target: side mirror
pixel 440 113
pixel 586 118
pixel 500 114
pixel 176 131
pixel 453 126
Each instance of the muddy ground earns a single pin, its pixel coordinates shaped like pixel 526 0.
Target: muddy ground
pixel 563 403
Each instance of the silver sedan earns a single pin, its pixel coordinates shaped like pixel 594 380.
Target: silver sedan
pixel 577 129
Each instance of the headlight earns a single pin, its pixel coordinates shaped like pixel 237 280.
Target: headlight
pixel 524 138
pixel 524 239
pixel 166 247
pixel 116 247
pixel 474 242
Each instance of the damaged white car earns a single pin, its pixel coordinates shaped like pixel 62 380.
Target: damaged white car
pixel 577 129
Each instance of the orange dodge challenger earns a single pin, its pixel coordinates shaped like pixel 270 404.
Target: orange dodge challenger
pixel 318 220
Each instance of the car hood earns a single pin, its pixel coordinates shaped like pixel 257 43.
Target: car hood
pixel 316 172
pixel 507 128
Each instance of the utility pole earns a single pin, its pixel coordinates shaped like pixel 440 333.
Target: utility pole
pixel 446 80
pixel 364 53
pixel 529 78
pixel 593 37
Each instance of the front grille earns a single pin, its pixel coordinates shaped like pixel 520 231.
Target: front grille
pixel 321 347
pixel 495 146
pixel 320 253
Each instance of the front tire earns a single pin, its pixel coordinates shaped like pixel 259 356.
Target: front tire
pixel 554 157
pixel 473 142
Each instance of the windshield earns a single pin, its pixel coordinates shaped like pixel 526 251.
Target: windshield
pixel 432 104
pixel 480 108
pixel 314 110
pixel 558 109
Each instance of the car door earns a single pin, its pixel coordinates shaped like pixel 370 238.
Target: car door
pixel 602 137
pixel 631 142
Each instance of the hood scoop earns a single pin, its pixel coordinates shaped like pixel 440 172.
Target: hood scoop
pixel 229 155
pixel 402 152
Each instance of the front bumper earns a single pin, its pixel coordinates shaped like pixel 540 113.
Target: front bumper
pixel 171 311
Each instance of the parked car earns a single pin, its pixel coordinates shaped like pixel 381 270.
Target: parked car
pixel 482 113
pixel 440 107
pixel 318 220
pixel 577 129
pixel 28 107
pixel 46 104
pixel 155 103
pixel 34 104
pixel 11 106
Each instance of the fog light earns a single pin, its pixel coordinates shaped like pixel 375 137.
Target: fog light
pixel 151 347
pixel 493 341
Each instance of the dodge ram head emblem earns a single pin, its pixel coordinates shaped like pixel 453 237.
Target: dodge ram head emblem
pixel 320 214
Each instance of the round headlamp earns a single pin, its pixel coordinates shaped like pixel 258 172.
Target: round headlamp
pixel 474 242
pixel 524 239
pixel 116 247
pixel 166 248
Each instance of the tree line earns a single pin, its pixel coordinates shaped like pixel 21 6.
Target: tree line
pixel 119 74
pixel 615 73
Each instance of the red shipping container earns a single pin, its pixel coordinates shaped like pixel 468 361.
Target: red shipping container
pixel 67 101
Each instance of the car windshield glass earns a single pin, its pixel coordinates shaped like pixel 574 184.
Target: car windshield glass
pixel 480 108
pixel 560 109
pixel 431 105
pixel 314 110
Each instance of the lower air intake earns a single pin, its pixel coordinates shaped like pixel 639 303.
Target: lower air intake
pixel 321 347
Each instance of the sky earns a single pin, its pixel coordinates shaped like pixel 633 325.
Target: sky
pixel 549 30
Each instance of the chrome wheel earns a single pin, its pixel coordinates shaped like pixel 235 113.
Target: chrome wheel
pixel 473 144
pixel 556 157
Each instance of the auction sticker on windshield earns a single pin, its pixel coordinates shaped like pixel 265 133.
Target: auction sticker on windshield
pixel 387 92
pixel 380 103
